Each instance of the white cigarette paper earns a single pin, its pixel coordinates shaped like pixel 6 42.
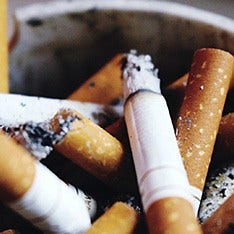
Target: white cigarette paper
pixel 17 109
pixel 53 206
pixel 159 167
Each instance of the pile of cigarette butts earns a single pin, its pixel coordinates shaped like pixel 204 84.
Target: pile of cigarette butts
pixel 172 146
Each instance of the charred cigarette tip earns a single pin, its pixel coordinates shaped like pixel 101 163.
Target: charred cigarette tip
pixel 139 73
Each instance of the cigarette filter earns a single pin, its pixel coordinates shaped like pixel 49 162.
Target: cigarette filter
pixel 225 137
pixel 103 87
pixel 88 145
pixel 37 194
pixel 222 220
pixel 119 218
pixel 201 111
pixel 9 231
pixel 160 173
pixel 4 86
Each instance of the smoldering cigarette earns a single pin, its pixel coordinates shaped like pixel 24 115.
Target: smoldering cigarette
pixel 105 86
pixel 155 150
pixel 18 109
pixel 201 111
pixel 119 218
pixel 37 194
pixel 222 220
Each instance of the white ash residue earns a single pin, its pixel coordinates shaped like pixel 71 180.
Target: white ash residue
pixel 139 73
pixel 38 138
pixel 218 189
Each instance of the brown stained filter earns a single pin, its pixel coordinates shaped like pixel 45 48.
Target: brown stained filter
pixel 103 87
pixel 201 110
pixel 222 220
pixel 119 218
pixel 172 215
pixel 16 169
pixel 88 145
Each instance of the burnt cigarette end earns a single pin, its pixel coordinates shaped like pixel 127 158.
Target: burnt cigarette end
pixel 39 138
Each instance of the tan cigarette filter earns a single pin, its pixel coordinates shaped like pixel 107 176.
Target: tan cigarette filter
pixel 9 231
pixel 176 216
pixel 17 165
pixel 89 146
pixel 225 138
pixel 4 86
pixel 119 218
pixel 179 84
pixel 201 110
pixel 222 219
pixel 103 87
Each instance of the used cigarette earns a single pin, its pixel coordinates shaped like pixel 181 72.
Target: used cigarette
pixel 4 85
pixel 160 172
pixel 219 187
pixel 37 194
pixel 225 137
pixel 104 87
pixel 201 111
pixel 9 231
pixel 222 220
pixel 22 108
pixel 119 218
pixel 88 145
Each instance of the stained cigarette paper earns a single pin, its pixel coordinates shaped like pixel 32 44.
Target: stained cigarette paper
pixel 201 111
pixel 37 194
pixel 104 87
pixel 88 145
pixel 222 220
pixel 4 83
pixel 16 108
pixel 119 218
pixel 160 172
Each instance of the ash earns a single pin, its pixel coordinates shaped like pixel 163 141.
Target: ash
pixel 38 138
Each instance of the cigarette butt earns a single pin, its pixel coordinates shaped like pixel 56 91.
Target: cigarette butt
pixel 222 220
pixel 170 214
pixel 103 87
pixel 37 194
pixel 19 178
pixel 4 85
pixel 119 218
pixel 225 137
pixel 179 84
pixel 9 231
pixel 88 145
pixel 201 111
pixel 155 151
